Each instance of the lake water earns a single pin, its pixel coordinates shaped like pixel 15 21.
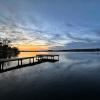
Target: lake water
pixel 75 75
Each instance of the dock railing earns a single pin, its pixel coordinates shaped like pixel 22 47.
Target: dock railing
pixel 31 60
pixel 46 57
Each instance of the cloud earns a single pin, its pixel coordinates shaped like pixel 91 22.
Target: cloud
pixel 22 23
pixel 76 38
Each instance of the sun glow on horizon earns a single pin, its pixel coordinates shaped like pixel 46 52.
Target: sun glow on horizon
pixel 32 47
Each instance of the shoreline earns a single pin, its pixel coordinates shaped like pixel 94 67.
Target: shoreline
pixel 70 50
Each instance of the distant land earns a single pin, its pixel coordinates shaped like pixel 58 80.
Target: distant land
pixel 69 50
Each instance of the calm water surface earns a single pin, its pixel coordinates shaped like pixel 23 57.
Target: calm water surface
pixel 76 75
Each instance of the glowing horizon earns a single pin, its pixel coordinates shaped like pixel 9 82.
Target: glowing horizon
pixel 32 47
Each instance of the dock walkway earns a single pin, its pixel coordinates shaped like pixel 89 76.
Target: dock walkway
pixel 32 61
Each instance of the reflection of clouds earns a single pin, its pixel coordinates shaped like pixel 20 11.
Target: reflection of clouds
pixel 81 60
pixel 82 55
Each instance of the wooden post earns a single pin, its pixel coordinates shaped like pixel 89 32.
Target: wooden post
pixel 18 62
pixel 53 57
pixel 33 59
pixel 21 62
pixel 30 60
pixel 38 58
pixel 47 57
pixel 2 65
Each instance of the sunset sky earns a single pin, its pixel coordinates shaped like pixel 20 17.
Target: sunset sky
pixel 50 24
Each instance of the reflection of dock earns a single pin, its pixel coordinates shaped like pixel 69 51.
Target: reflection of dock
pixel 32 61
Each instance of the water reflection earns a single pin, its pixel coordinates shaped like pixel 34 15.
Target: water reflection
pixel 76 74
pixel 30 54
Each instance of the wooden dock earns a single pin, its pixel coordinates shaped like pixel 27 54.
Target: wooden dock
pixel 31 61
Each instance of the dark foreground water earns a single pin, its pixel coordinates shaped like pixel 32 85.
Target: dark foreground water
pixel 76 75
